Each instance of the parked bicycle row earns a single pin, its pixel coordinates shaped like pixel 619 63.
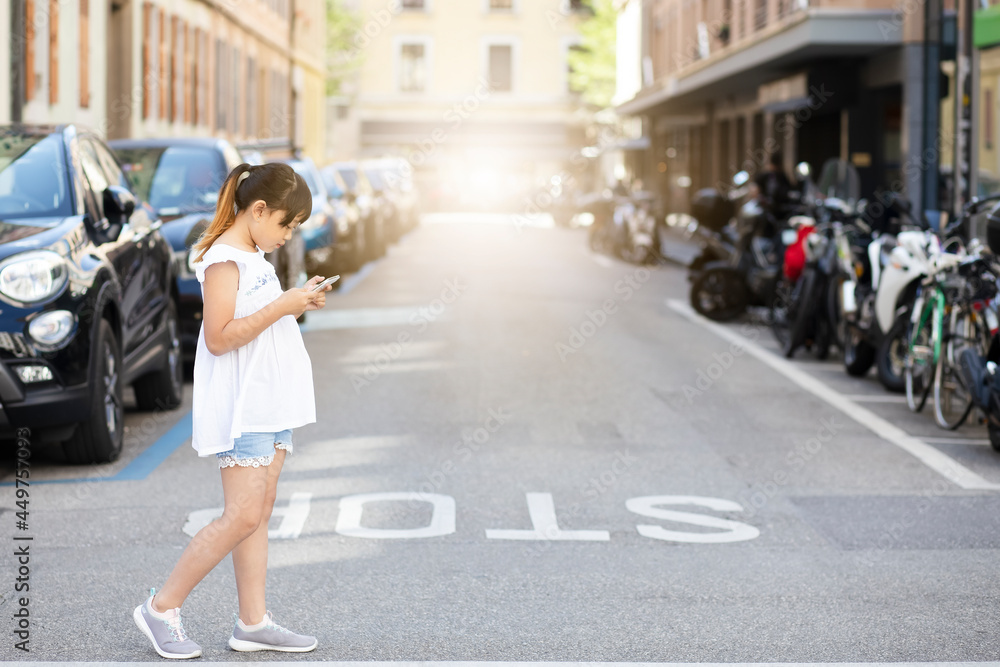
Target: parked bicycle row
pixel 907 293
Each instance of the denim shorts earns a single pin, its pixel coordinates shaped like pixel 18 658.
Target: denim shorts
pixel 255 449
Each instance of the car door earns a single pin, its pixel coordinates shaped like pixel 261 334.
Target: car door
pixel 123 255
pixel 151 280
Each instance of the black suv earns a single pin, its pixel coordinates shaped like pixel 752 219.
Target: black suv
pixel 86 294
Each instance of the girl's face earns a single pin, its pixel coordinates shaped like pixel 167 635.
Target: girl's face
pixel 267 231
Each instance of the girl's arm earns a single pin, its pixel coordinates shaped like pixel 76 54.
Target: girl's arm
pixel 223 332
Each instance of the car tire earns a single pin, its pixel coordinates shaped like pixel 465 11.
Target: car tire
pixel 164 389
pixel 99 440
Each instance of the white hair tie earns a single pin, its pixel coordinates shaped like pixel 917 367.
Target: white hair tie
pixel 239 179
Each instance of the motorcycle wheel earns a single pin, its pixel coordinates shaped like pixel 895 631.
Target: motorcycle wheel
pixel 780 312
pixel 719 295
pixel 859 354
pixel 891 356
pixel 804 306
pixel 994 436
pixel 834 308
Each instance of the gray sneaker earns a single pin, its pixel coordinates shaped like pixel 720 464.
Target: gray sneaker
pixel 168 636
pixel 272 637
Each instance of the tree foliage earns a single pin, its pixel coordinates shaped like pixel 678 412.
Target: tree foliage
pixel 592 62
pixel 342 56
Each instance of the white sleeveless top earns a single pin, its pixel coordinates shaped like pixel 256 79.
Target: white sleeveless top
pixel 265 386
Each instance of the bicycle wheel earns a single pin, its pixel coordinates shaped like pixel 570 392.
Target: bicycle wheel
pixel 918 362
pixel 952 399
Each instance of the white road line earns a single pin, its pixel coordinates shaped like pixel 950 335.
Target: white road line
pixel 978 442
pixel 486 663
pixel 876 398
pixel 927 454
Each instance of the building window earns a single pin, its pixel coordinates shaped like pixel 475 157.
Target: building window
pixel 29 50
pixel 500 67
pixel 760 14
pixel 413 67
pixel 237 102
pixel 161 64
pixel 53 51
pixel 147 59
pixel 988 118
pixel 221 77
pixel 251 101
pixel 570 48
pixel 84 53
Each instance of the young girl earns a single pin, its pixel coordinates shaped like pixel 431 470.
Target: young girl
pixel 252 385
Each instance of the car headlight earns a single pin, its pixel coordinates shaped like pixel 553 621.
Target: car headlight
pixel 53 328
pixel 33 276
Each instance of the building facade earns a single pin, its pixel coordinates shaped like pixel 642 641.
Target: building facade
pixel 722 85
pixel 473 93
pixel 132 68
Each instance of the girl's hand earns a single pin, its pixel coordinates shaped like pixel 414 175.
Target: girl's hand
pixel 297 300
pixel 319 298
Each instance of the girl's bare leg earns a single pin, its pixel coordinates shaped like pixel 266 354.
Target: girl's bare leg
pixel 244 490
pixel 250 555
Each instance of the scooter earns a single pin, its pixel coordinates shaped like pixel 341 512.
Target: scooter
pixel 878 296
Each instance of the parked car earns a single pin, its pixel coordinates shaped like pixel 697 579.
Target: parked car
pixel 397 206
pixel 180 179
pixel 87 291
pixel 327 238
pixel 374 209
pixel 397 175
pixel 350 221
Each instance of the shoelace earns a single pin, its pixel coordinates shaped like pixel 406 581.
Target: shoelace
pixel 176 628
pixel 271 624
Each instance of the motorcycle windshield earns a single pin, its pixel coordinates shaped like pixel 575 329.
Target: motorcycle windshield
pixel 839 179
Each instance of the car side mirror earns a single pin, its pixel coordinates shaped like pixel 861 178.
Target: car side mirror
pixel 119 204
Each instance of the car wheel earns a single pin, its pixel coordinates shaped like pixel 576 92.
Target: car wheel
pixel 164 389
pixel 99 440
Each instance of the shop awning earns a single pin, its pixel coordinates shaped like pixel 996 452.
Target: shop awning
pixel 819 34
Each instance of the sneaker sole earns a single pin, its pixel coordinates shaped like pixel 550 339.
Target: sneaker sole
pixel 244 645
pixel 141 623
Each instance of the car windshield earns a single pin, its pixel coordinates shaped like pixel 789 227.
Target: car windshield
pixel 308 176
pixel 375 178
pixel 350 176
pixel 334 187
pixel 174 179
pixel 33 182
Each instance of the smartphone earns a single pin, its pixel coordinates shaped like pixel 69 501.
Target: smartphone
pixel 329 281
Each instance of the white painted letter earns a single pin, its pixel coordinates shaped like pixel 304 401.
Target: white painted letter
pixel 735 531
pixel 351 507
pixel 542 511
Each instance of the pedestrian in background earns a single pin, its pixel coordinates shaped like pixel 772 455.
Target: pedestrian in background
pixel 252 385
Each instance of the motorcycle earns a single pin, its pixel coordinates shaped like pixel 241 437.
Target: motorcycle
pixel 639 225
pixel 878 297
pixel 748 257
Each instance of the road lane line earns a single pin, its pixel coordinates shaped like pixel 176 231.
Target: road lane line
pixel 927 454
pixel 875 398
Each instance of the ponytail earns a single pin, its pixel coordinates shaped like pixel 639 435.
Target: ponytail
pixel 275 183
pixel 225 212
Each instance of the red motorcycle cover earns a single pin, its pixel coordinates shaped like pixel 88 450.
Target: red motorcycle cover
pixel 795 254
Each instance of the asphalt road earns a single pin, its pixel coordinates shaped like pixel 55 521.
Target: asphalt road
pixel 576 468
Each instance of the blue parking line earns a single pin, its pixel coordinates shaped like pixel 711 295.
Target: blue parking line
pixel 153 456
pixel 142 465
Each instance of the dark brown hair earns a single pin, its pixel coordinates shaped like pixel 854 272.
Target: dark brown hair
pixel 276 183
